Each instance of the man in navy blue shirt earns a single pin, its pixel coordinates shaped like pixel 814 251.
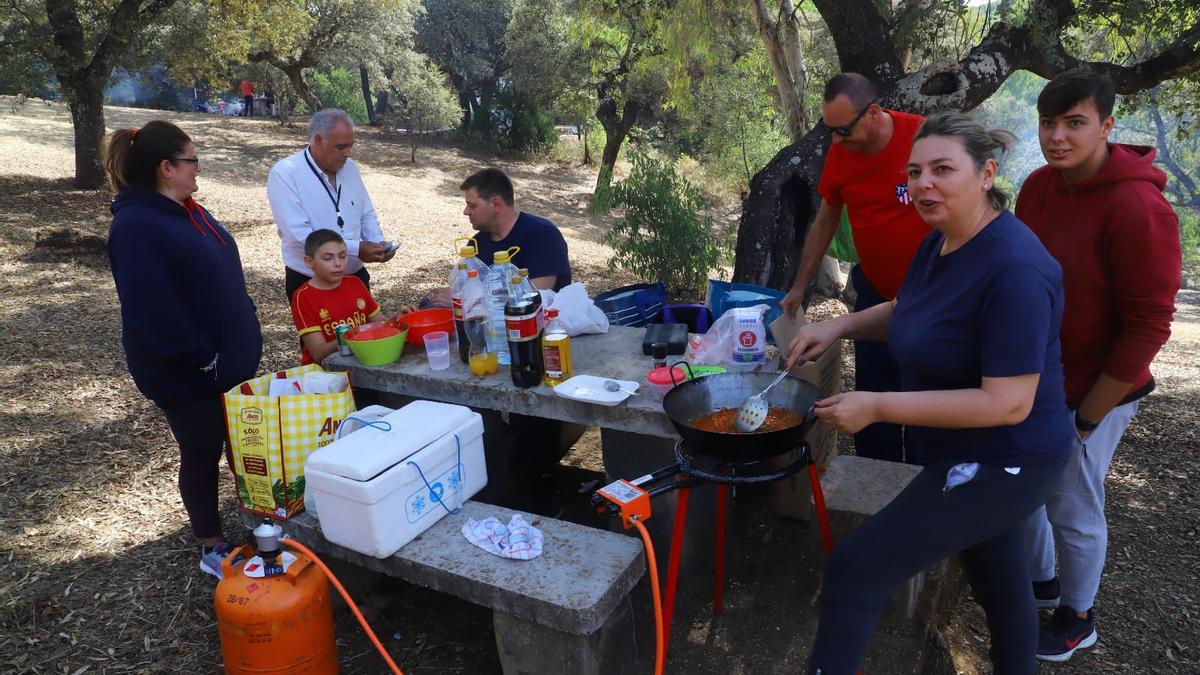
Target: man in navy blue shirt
pixel 489 197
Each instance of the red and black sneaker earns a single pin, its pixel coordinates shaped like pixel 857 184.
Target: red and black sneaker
pixel 1064 634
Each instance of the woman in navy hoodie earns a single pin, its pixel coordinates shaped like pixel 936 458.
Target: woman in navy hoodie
pixel 188 326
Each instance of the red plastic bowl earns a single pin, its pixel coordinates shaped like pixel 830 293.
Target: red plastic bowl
pixel 427 321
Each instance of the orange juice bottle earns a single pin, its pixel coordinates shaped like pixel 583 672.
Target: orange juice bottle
pixel 556 351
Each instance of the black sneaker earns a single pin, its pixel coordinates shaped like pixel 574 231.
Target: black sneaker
pixel 1065 633
pixel 1046 593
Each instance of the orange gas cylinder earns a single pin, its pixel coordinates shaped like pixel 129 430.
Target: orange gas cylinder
pixel 274 624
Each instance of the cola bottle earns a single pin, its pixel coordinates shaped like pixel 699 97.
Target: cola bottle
pixel 522 319
pixel 458 277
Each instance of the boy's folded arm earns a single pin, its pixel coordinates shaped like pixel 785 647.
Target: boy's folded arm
pixel 318 348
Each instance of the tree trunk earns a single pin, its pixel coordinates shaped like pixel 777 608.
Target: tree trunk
pixel 782 41
pixel 776 214
pixel 1185 186
pixel 296 77
pixel 372 118
pixel 587 151
pixel 382 102
pixel 85 97
pixel 616 129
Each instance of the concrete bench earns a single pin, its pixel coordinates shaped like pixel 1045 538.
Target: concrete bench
pixel 566 611
pixel 856 488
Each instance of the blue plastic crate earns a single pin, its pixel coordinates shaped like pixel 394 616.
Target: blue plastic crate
pixel 635 305
pixel 725 295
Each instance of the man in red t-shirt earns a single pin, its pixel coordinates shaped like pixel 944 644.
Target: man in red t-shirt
pixel 865 172
pixel 329 299
pixel 247 98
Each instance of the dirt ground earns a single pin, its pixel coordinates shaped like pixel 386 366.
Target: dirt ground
pixel 97 565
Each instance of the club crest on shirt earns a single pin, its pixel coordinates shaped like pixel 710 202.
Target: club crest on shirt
pixel 324 314
pixel 362 304
pixel 902 195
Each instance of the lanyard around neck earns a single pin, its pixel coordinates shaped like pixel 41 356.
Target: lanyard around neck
pixel 337 201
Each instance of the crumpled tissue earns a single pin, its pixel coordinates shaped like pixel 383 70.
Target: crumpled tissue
pixel 518 540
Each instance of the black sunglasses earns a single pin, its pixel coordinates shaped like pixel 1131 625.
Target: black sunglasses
pixel 189 160
pixel 845 131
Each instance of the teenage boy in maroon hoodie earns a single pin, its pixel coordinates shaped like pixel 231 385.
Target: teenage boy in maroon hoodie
pixel 1098 208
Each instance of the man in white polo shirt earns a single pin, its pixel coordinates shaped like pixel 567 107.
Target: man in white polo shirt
pixel 320 188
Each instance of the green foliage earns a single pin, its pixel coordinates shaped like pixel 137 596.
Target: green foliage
pixel 665 234
pixel 465 38
pixel 341 88
pixel 521 124
pixel 736 126
pixel 427 103
pixel 1189 233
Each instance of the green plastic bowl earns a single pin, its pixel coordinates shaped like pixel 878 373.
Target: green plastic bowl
pixel 378 352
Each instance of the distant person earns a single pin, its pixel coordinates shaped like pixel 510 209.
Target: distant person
pixel 490 208
pixel 1099 209
pixel 865 173
pixel 329 299
pixel 188 326
pixel 247 98
pixel 975 330
pixel 269 101
pixel 320 188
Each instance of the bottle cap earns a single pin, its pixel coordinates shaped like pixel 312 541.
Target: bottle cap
pixel 503 257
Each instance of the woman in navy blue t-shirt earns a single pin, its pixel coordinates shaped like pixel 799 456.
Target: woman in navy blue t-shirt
pixel 975 332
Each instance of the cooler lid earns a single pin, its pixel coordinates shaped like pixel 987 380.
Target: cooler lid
pixel 370 451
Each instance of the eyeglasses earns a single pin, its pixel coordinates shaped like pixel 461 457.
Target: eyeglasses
pixel 846 130
pixel 189 160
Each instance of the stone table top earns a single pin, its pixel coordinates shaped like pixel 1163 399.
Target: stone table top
pixel 616 354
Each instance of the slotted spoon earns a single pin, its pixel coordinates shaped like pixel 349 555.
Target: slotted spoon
pixel 754 411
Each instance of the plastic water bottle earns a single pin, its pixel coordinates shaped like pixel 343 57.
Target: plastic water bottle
pixel 468 252
pixel 498 283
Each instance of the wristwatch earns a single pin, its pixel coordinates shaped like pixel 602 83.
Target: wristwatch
pixel 1085 425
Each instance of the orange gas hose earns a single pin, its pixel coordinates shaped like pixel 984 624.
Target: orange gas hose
pixel 354 608
pixel 659 657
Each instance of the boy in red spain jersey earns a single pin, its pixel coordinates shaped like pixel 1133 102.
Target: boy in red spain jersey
pixel 331 298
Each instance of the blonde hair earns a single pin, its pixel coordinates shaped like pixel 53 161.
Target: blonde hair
pixel 980 143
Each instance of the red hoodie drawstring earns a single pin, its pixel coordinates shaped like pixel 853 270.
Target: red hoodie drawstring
pixel 192 209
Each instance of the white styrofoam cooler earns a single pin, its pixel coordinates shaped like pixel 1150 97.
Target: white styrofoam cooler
pixel 371 499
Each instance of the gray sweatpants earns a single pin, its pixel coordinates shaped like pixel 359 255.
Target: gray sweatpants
pixel 1073 522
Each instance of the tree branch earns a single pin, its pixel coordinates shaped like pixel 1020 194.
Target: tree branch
pixel 863 44
pixel 1178 59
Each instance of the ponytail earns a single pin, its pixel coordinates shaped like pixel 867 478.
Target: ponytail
pixel 132 156
pixel 117 156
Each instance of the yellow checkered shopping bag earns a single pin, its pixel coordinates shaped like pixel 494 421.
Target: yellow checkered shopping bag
pixel 272 436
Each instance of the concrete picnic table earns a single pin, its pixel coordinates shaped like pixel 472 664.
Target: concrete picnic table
pixel 636 436
pixel 616 354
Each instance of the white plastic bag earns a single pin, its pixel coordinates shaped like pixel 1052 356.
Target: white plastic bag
pixel 319 382
pixel 577 314
pixel 737 339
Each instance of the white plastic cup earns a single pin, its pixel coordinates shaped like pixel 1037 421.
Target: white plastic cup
pixel 437 349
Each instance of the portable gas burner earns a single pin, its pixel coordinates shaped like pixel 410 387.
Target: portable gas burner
pixel 739 461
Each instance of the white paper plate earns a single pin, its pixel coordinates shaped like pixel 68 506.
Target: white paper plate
pixel 590 389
